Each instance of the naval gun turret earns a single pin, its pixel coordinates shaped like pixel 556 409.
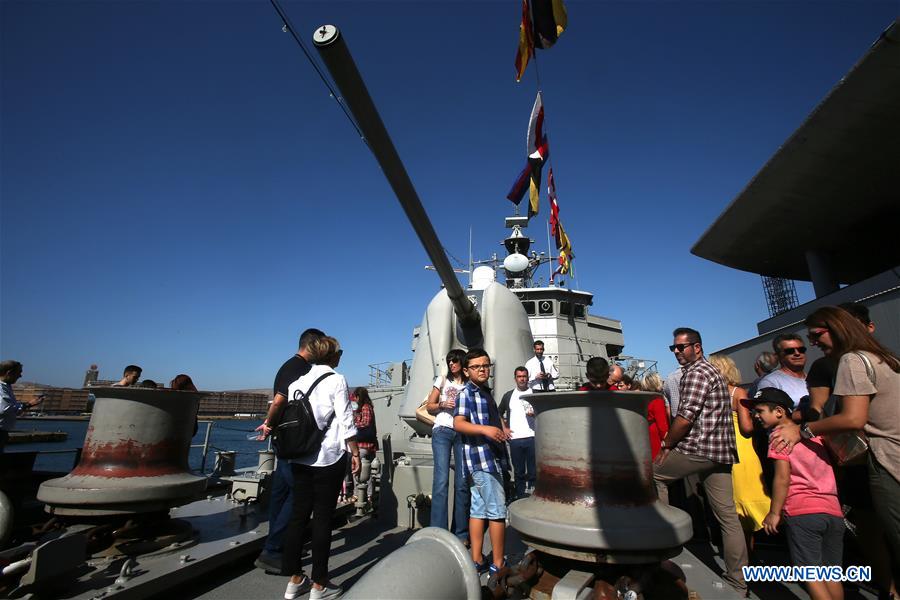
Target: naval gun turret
pixel 487 315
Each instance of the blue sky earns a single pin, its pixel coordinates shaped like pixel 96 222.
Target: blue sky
pixel 178 190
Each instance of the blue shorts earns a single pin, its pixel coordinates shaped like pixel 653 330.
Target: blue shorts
pixel 488 498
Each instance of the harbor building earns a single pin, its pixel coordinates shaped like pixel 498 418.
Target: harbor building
pixel 825 209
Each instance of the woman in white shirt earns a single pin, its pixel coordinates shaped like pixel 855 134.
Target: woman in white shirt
pixel 441 404
pixel 318 476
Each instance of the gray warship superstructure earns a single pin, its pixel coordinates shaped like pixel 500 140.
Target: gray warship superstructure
pixel 559 315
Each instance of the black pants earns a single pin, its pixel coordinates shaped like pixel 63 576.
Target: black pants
pixel 315 494
pixel 4 437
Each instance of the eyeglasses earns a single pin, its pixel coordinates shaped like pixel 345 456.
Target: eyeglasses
pixel 814 336
pixel 485 367
pixel 799 350
pixel 681 347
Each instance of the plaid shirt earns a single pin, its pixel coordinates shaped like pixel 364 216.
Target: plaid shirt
pixel 472 404
pixel 705 402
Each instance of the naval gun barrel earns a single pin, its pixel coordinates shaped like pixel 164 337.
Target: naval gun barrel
pixel 355 96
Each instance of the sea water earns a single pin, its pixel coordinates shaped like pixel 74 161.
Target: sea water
pixel 225 434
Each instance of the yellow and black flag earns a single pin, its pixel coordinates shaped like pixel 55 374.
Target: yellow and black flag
pixel 549 19
pixel 543 21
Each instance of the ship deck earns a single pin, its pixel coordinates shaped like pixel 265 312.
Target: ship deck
pixel 358 546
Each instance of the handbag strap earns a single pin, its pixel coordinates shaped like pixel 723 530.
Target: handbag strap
pixel 870 370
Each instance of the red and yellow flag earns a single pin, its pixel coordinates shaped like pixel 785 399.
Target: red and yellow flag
pixel 563 243
pixel 526 42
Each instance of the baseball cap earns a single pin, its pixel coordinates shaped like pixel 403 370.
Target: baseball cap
pixel 773 396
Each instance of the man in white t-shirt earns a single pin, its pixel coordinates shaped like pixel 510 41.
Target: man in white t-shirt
pixel 541 371
pixel 790 377
pixel 518 413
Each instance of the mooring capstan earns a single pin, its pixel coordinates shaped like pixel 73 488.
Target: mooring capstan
pixel 594 499
pixel 135 456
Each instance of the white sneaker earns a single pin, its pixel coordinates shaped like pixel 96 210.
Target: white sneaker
pixel 329 592
pixel 297 589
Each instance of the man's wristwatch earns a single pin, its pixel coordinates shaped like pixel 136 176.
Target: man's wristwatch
pixel 805 432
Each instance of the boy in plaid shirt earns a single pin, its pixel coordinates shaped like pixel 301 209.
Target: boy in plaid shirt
pixel 478 420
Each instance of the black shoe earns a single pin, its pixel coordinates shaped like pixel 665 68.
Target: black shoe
pixel 269 562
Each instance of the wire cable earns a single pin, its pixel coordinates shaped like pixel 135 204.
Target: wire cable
pixel 289 28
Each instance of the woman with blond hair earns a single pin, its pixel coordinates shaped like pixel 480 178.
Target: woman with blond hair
pixel 657 418
pixel 318 476
pixel 750 498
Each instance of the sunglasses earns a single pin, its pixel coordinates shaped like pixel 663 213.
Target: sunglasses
pixel 800 350
pixel 813 336
pixel 453 360
pixel 681 347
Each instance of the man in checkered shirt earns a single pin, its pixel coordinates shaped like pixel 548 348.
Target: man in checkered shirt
pixel 477 418
pixel 701 441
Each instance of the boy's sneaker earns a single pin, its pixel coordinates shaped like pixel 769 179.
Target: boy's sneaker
pixel 329 592
pixel 297 589
pixel 481 568
pixel 494 569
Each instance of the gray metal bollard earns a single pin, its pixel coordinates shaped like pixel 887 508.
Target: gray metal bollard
pixel 432 551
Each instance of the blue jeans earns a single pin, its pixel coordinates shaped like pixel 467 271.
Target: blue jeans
pixel 442 440
pixel 281 502
pixel 522 454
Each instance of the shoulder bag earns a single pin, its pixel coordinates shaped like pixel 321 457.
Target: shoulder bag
pixel 849 448
pixel 422 414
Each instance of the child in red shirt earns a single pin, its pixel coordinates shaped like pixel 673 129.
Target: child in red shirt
pixel 806 492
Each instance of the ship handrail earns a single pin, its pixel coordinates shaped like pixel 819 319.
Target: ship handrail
pixel 380 374
pixel 204 445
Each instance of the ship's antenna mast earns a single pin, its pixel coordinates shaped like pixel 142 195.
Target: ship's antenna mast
pixel 471 265
pixel 549 252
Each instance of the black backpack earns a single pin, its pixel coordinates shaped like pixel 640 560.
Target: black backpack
pixel 297 433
